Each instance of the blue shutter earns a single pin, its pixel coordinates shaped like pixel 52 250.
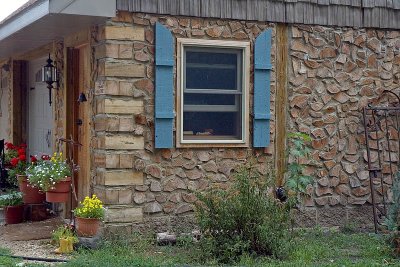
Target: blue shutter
pixel 164 94
pixel 262 79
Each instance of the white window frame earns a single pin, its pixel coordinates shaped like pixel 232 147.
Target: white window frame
pixel 202 43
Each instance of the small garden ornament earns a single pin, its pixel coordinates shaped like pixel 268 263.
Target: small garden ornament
pixel 88 215
pixel 65 238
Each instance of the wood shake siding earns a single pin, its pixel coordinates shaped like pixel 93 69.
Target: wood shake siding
pixel 352 13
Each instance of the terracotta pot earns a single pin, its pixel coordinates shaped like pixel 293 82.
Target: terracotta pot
pixel 14 214
pixel 87 226
pixel 60 192
pixel 31 195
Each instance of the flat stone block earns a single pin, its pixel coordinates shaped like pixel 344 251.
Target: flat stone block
pixel 122 69
pixel 124 33
pixel 120 178
pixel 119 106
pixel 122 142
pixel 123 215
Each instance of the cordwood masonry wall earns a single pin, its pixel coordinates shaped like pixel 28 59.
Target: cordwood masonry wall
pixel 137 182
pixel 332 74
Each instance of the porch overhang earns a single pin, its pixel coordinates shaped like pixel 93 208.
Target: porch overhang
pixel 43 21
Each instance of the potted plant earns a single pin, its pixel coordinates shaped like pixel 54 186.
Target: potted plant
pixel 65 238
pixel 15 162
pixel 53 177
pixel 88 215
pixel 13 207
pixel 31 193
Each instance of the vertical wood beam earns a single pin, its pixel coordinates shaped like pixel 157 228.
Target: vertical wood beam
pixel 19 99
pixel 281 104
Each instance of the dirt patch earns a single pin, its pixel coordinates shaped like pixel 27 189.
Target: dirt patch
pixel 30 231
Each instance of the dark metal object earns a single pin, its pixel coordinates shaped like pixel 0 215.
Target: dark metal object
pixel 33 258
pixel 50 76
pixel 82 98
pixel 79 122
pixel 3 172
pixel 281 194
pixel 382 128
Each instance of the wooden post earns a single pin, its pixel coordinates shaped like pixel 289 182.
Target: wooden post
pixel 19 105
pixel 282 61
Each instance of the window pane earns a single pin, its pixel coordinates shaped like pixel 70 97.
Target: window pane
pixel 212 70
pixel 209 99
pixel 212 125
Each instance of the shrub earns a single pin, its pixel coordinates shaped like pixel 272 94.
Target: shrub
pixel 11 199
pixel 245 219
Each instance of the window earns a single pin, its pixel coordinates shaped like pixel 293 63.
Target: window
pixel 213 88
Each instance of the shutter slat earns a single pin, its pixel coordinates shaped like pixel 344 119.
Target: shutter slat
pixel 262 80
pixel 164 95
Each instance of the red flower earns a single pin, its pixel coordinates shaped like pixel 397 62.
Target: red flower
pixel 14 162
pixel 22 157
pixel 9 146
pixel 33 159
pixel 21 151
pixel 45 157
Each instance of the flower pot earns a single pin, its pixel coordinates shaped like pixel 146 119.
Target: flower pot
pixel 87 226
pixel 31 195
pixel 14 214
pixel 60 192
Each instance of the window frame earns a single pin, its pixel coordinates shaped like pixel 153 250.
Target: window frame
pixel 203 44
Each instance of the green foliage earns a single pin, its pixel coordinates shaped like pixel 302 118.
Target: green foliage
pixel 46 173
pixel 63 232
pixel 11 199
pixel 392 220
pixel 298 152
pixel 244 219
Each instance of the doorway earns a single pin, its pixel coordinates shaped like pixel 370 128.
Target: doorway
pixel 40 113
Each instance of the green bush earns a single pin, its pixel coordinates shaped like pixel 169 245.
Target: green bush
pixel 244 219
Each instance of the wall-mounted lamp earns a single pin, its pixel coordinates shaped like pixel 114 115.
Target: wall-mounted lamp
pixel 50 76
pixel 82 98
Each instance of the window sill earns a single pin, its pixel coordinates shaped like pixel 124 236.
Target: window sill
pixel 211 145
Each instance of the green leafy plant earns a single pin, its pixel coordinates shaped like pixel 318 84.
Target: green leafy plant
pixel 90 208
pixel 244 219
pixel 298 152
pixel 44 174
pixel 392 221
pixel 11 199
pixel 64 232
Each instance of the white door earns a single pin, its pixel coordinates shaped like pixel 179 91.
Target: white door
pixel 40 113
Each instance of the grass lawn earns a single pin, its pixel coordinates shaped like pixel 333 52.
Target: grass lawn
pixel 311 248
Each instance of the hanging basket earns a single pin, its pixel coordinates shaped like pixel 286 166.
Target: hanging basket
pixel 31 194
pixel 87 227
pixel 60 192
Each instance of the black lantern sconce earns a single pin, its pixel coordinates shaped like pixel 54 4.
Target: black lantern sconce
pixel 50 76
pixel 82 98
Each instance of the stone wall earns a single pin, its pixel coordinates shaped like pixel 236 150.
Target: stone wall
pixel 334 74
pixel 141 184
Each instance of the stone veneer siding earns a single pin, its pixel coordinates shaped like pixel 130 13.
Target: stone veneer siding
pixel 138 183
pixel 333 74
